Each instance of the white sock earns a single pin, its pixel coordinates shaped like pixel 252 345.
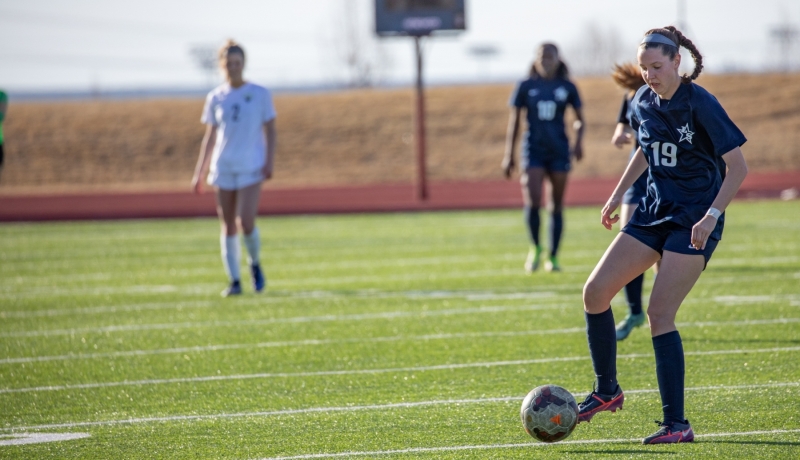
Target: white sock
pixel 231 252
pixel 253 244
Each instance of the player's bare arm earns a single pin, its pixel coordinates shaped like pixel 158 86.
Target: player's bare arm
pixel 271 132
pixel 737 170
pixel 577 148
pixel 622 135
pixel 200 171
pixel 511 140
pixel 636 167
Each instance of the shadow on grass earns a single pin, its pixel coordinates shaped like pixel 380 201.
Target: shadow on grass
pixel 756 443
pixel 771 341
pixel 643 451
pixel 775 269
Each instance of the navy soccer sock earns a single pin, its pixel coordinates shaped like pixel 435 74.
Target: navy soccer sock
pixel 556 228
pixel 670 370
pixel 603 349
pixel 532 221
pixel 633 292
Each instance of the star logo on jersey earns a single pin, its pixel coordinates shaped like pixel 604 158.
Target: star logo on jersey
pixel 561 93
pixel 686 135
pixel 247 98
pixel 533 93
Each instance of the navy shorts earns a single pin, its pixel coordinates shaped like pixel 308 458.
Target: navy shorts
pixel 557 164
pixel 637 191
pixel 671 237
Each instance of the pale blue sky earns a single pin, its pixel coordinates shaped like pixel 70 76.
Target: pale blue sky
pixel 111 44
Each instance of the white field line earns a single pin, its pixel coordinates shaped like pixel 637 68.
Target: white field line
pixel 6 291
pixel 284 267
pixel 307 319
pixel 205 288
pixel 358 408
pixel 294 319
pixel 527 445
pixel 371 264
pixel 106 309
pixel 438 367
pixel 396 338
pixel 284 296
pixel 368 294
pixel 755 261
pixel 292 343
pixel 50 291
pixel 38 438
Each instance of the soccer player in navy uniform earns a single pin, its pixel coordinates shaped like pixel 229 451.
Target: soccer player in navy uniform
pixel 691 150
pixel 630 78
pixel 545 149
pixel 3 109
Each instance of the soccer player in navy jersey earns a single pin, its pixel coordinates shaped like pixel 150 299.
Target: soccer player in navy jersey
pixel 630 78
pixel 545 150
pixel 691 150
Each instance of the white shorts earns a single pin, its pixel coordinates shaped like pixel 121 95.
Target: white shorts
pixel 234 181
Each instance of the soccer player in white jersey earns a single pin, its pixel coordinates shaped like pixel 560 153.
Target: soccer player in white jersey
pixel 691 151
pixel 237 153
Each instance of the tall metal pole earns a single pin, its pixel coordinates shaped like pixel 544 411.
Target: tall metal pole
pixel 421 189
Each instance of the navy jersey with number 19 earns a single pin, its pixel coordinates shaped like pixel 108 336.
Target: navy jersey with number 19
pixel 683 140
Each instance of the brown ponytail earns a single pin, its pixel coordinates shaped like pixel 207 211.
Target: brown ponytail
pixel 628 76
pixel 675 35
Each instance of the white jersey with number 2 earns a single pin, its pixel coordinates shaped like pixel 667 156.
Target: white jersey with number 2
pixel 239 115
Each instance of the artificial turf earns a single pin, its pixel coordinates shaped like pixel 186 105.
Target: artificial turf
pixel 385 335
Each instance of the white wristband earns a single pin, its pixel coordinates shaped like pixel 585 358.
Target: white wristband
pixel 714 212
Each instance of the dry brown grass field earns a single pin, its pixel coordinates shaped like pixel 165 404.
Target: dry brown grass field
pixel 351 137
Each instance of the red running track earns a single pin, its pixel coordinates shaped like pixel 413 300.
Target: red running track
pixel 328 200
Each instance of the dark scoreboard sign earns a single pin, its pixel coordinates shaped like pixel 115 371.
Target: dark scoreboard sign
pixel 418 17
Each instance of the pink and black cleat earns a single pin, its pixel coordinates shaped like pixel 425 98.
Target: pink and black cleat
pixel 597 402
pixel 670 433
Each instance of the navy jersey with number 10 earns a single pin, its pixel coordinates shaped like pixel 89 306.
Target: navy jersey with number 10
pixel 545 102
pixel 683 140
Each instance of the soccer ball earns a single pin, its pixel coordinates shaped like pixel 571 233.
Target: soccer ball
pixel 549 413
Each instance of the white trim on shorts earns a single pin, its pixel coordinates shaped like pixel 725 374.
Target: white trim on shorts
pixel 234 181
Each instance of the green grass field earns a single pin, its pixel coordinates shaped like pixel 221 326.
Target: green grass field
pixel 389 336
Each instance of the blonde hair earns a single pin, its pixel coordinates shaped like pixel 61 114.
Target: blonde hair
pixel 230 47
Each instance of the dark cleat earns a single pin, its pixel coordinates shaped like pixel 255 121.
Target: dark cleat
pixel 259 282
pixel 234 289
pixel 670 433
pixel 597 402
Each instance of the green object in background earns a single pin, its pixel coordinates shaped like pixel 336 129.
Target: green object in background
pixel 3 100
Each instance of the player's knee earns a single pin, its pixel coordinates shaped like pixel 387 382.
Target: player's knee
pixel 595 297
pixel 660 321
pixel 228 229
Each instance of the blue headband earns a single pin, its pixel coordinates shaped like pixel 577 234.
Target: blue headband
pixel 658 38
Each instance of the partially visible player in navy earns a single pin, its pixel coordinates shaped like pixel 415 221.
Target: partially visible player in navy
pixel 3 110
pixel 545 151
pixel 686 142
pixel 629 78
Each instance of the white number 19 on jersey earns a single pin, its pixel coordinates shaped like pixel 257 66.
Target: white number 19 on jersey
pixel 668 155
